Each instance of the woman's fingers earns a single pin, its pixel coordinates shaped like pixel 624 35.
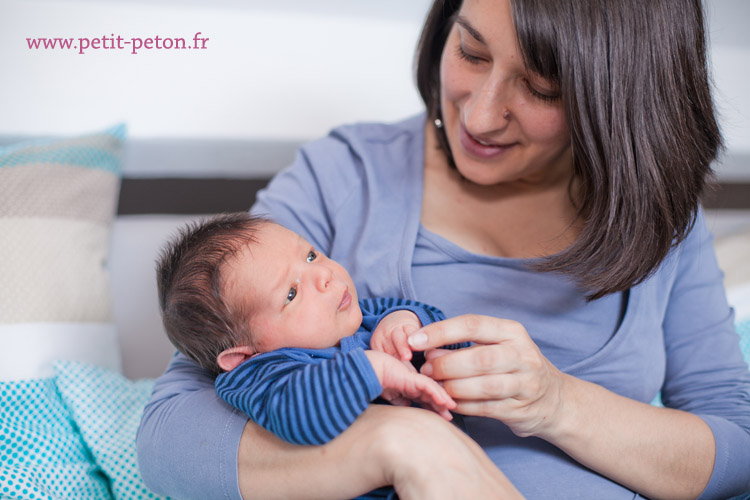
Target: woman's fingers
pixel 466 328
pixel 488 387
pixel 443 364
pixel 503 375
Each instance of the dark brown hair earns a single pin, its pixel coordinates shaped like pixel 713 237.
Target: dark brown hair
pixel 634 82
pixel 189 279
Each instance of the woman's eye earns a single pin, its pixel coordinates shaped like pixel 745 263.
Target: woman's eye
pixel 290 296
pixel 311 256
pixel 468 57
pixel 542 96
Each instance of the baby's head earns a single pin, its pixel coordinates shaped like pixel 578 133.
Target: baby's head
pixel 236 285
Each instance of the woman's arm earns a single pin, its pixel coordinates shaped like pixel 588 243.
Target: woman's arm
pixel 192 445
pixel 700 445
pixel 423 456
pixel 187 439
pixel 658 452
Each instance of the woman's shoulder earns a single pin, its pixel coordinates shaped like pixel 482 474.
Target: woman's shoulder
pixel 369 140
pixel 366 156
pixel 381 132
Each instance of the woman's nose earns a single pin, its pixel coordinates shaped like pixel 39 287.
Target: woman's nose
pixel 488 110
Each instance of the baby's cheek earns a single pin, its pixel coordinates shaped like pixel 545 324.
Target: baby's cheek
pixel 262 339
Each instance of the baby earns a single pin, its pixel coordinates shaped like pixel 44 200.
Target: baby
pixel 281 323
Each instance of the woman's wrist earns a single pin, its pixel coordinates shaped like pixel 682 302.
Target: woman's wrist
pixel 564 422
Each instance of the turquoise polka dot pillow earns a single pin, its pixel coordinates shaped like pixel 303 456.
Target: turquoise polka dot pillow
pixel 42 456
pixel 107 408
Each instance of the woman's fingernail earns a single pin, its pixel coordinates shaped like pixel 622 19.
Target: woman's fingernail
pixel 417 339
pixel 426 369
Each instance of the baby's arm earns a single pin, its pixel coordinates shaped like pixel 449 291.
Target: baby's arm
pixel 311 402
pixel 402 384
pixel 300 400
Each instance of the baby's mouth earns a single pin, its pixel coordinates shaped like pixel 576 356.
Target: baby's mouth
pixel 346 300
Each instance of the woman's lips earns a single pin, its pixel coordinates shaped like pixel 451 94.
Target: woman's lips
pixel 345 300
pixel 480 149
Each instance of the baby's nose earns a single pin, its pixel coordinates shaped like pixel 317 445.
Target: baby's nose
pixel 324 279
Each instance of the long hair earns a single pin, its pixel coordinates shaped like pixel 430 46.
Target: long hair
pixel 197 319
pixel 635 90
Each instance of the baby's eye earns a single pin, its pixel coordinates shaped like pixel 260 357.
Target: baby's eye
pixel 311 256
pixel 290 296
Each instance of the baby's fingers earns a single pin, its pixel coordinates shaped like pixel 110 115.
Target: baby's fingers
pixel 379 342
pixel 395 398
pixel 437 405
pixel 433 393
pixel 443 412
pixel 400 339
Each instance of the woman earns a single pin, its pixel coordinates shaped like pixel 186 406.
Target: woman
pixel 548 203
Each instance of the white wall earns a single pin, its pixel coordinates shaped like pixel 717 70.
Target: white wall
pixel 290 70
pixel 266 72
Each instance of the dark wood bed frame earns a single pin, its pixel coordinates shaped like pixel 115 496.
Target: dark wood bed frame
pixel 212 195
pixel 242 167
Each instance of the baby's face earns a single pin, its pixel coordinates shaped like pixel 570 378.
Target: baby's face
pixel 296 296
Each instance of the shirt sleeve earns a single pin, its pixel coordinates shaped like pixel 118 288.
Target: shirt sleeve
pixel 300 200
pixel 706 374
pixel 302 402
pixel 188 438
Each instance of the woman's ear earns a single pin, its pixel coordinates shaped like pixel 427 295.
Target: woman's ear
pixel 231 358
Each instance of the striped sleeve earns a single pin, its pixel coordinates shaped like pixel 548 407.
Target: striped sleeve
pixel 299 402
pixel 374 310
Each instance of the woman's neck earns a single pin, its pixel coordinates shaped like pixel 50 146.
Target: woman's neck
pixel 520 219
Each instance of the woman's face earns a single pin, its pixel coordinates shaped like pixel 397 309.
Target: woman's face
pixel 503 123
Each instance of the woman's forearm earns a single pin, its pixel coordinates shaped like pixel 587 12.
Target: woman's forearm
pixel 658 452
pixel 423 456
pixel 270 468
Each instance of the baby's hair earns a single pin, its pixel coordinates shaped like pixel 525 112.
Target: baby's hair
pixel 189 278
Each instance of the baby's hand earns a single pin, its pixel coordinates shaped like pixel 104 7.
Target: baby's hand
pixel 392 333
pixel 403 384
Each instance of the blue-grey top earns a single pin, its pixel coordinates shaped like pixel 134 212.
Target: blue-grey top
pixel 356 196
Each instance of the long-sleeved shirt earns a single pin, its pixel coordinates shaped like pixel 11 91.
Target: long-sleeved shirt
pixel 310 396
pixel 356 195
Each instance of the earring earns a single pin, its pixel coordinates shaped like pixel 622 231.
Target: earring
pixel 438 123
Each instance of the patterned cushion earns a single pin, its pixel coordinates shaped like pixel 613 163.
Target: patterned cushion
pixel 107 408
pixel 57 201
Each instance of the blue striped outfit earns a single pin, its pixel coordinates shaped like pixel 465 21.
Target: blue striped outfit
pixel 310 396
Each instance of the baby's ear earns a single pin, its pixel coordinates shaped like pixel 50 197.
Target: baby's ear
pixel 231 358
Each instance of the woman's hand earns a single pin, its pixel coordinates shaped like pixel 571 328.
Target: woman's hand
pixel 503 376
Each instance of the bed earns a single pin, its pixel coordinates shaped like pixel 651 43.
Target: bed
pixel 83 219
